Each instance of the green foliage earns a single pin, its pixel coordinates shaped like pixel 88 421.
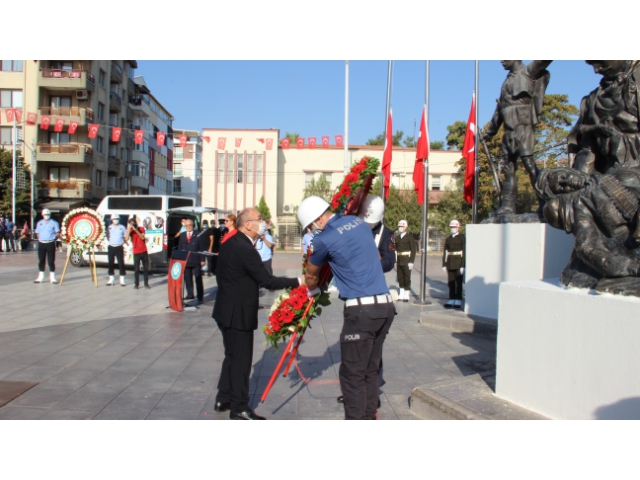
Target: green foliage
pixel 292 136
pixel 379 140
pixel 321 188
pixel 23 196
pixel 557 113
pixel 455 137
pixel 437 145
pixel 410 142
pixel 403 205
pixel 263 208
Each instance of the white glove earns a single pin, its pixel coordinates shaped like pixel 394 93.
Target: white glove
pixel 411 266
pixel 462 271
pixel 314 292
pixel 444 269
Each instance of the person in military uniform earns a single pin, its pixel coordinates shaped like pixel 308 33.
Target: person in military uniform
pixel 453 264
pixel 406 248
pixel 519 106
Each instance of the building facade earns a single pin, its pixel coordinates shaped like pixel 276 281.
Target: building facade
pixel 187 165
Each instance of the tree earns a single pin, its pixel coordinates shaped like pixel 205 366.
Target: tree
pixel 23 196
pixel 321 188
pixel 379 140
pixel 437 145
pixel 292 136
pixel 263 208
pixel 455 137
pixel 556 114
pixel 400 205
pixel 410 142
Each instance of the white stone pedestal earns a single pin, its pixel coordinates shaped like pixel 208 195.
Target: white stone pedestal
pixel 510 252
pixel 568 353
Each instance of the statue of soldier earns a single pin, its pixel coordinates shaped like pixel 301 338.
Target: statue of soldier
pixel 519 105
pixel 606 136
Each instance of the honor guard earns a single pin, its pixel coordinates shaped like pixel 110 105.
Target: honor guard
pixel 453 264
pixel 47 230
pixel 406 248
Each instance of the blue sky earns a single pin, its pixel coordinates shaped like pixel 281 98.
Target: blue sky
pixel 307 97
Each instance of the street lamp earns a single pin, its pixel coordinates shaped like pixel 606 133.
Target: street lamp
pixel 32 171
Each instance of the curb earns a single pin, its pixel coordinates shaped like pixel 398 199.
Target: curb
pixel 460 322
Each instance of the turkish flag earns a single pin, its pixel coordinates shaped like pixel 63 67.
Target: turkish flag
pixel 312 142
pixel 32 118
pixel 206 139
pixel 261 140
pixel 222 141
pixel 73 125
pixel 18 112
pixel 10 114
pixel 422 155
pixel 138 136
pixel 183 140
pixel 325 142
pixel 93 130
pixel 300 142
pixel 238 142
pixel 45 121
pixel 269 143
pixel 339 141
pixel 285 143
pixel 115 134
pixel 469 153
pixel 160 136
pixel 59 125
pixel 387 155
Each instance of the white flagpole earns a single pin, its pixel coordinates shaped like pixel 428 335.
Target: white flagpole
pixel 475 153
pixel 386 115
pixel 346 117
pixel 425 201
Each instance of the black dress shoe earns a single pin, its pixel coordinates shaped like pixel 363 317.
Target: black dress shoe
pixel 190 297
pixel 222 406
pixel 246 415
pixel 147 286
pixel 340 399
pixel 136 287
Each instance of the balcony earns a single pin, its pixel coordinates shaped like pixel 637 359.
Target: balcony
pixel 131 86
pixel 116 191
pixel 115 104
pixel 66 79
pixel 115 166
pixel 81 115
pixel 116 72
pixel 129 114
pixel 69 189
pixel 139 182
pixel 65 152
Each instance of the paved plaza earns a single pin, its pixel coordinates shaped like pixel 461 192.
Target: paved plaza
pixel 119 353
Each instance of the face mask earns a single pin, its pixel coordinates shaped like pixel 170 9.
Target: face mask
pixel 46 217
pixel 262 229
pixel 316 229
pixel 454 230
pixel 115 220
pixel 401 229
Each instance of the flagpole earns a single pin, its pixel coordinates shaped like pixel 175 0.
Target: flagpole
pixel 425 203
pixel 346 117
pixel 13 179
pixel 475 153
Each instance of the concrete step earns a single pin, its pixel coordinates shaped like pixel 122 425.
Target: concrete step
pixel 458 321
pixel 466 398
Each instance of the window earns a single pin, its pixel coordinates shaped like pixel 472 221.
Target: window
pixel 62 65
pixel 11 98
pixel 100 143
pixel 6 135
pixel 11 65
pixel 259 168
pixel 57 101
pixel 127 155
pixel 229 167
pixel 249 168
pixel 436 182
pixel 58 138
pixel 308 177
pixel 177 169
pixel 101 77
pixel 101 111
pixel 177 186
pixel 139 169
pixel 240 167
pixel 178 152
pixel 59 174
pixel 113 119
pixel 113 150
pixel 329 177
pixel 99 177
pixel 221 168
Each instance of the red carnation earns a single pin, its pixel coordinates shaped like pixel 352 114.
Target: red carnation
pixel 357 170
pixel 345 190
pixel 298 303
pixel 287 317
pixel 352 177
pixel 268 331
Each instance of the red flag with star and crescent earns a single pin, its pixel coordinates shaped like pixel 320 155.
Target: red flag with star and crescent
pixel 93 130
pixel 115 134
pixel 469 153
pixel 300 143
pixel 325 142
pixel 285 143
pixel 339 141
pixel 422 155
pixel 73 125
pixel 269 143
pixel 32 118
pixel 18 112
pixel 160 137
pixel 312 142
pixel 138 136
pixel 387 155
pixel 183 140
pixel 222 141
pixel 59 125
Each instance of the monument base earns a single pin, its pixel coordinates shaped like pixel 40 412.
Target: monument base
pixel 568 353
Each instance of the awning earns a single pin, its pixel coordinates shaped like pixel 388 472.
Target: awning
pixel 61 205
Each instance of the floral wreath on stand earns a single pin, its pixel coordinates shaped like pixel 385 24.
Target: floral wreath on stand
pixel 83 229
pixel 293 310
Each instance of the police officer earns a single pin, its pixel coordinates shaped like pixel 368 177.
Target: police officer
pixel 453 264
pixel 406 247
pixel 346 243
pixel 115 235
pixel 47 230
pixel 9 235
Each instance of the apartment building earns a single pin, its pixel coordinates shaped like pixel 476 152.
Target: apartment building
pixel 73 169
pixel 187 165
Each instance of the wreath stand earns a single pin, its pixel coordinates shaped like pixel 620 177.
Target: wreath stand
pixel 92 265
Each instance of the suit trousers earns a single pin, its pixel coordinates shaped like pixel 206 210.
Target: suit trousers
pixel 112 254
pixel 144 258
pixel 47 251
pixel 404 277
pixel 233 385
pixel 189 273
pixel 455 284
pixel 363 332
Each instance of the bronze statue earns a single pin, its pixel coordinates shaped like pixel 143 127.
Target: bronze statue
pixel 519 105
pixel 601 210
pixel 606 135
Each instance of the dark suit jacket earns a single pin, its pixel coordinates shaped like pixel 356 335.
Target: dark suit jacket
pixel 240 273
pixel 198 243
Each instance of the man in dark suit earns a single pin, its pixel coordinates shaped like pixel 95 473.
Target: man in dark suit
pixel 240 272
pixel 193 241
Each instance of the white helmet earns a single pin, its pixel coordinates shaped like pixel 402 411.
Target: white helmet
pixel 373 210
pixel 310 209
pixel 454 224
pixel 402 223
pixel 46 211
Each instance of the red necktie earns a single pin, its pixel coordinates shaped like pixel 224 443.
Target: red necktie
pixel 188 237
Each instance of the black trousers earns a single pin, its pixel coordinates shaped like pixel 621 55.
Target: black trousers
pixel 267 265
pixel 47 251
pixel 212 262
pixel 233 385
pixel 455 284
pixel 113 253
pixel 144 258
pixel 9 241
pixel 363 332
pixel 189 273
pixel 404 277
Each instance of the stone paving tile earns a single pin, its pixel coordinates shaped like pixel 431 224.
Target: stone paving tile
pixel 179 406
pixel 67 414
pixel 11 412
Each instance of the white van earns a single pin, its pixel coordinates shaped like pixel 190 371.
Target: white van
pixel 160 215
